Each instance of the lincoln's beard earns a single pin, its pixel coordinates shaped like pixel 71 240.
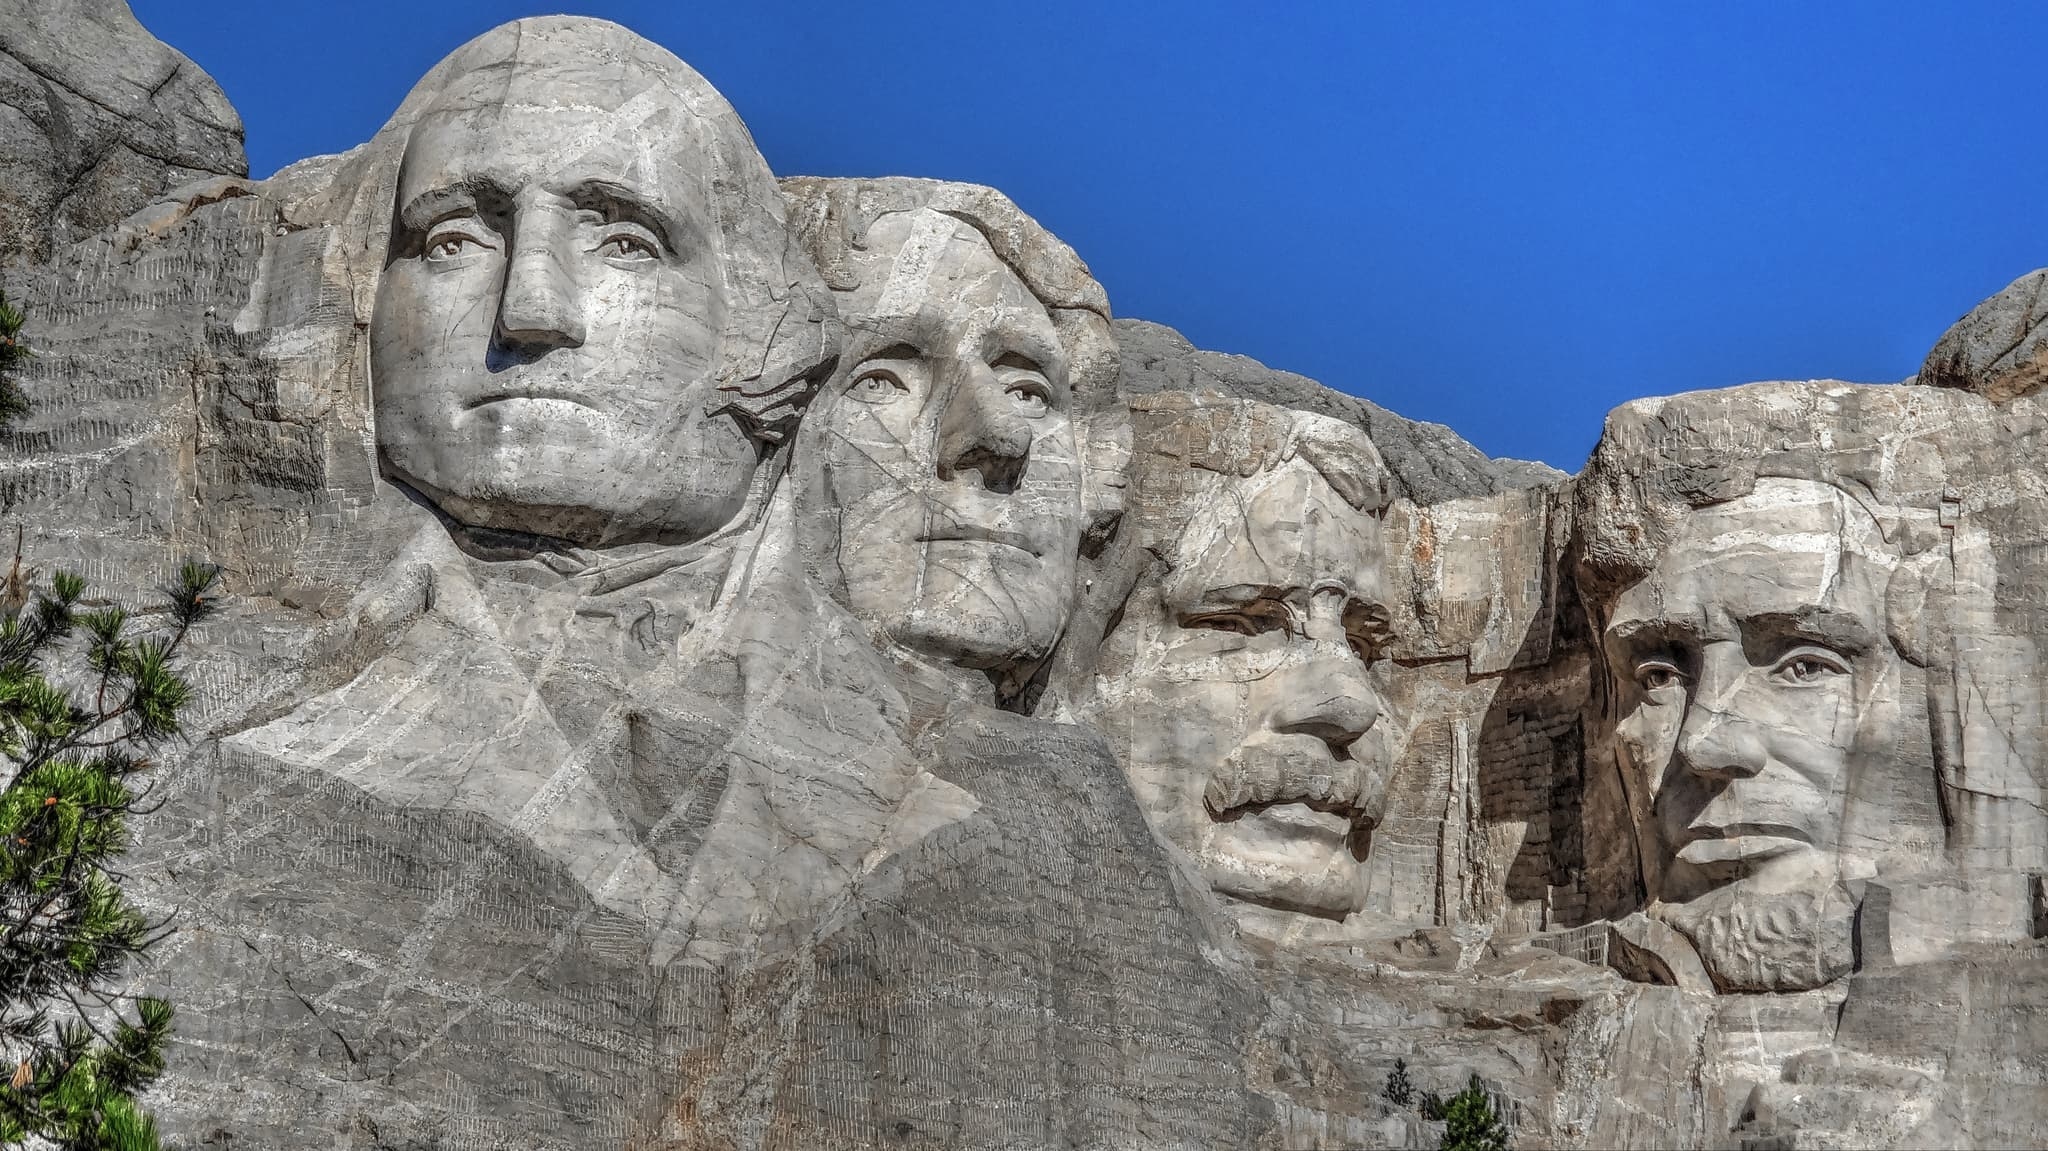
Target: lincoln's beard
pixel 1781 941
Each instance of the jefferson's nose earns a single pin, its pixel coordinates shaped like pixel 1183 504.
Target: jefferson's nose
pixel 542 307
pixel 1715 739
pixel 980 432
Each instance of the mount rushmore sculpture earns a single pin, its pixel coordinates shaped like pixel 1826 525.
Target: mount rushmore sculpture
pixel 719 662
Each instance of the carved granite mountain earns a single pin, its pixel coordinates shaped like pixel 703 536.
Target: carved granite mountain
pixel 1429 462
pixel 972 721
pixel 98 117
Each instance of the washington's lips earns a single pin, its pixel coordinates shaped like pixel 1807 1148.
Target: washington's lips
pixel 973 534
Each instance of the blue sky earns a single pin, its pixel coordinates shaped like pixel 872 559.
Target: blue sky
pixel 1505 218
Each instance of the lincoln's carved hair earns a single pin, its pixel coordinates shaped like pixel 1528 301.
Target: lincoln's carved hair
pixel 1659 459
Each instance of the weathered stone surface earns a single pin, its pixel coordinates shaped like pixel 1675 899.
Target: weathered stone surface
pixel 714 662
pixel 2000 348
pixel 1429 462
pixel 97 117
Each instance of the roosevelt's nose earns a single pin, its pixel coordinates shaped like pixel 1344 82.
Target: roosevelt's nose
pixel 1716 740
pixel 981 432
pixel 1327 694
pixel 542 305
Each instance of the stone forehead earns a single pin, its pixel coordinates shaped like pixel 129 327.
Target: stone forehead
pixel 1184 431
pixel 559 60
pixel 917 259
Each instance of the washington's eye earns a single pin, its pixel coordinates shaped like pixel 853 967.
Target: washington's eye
pixel 1808 666
pixel 876 386
pixel 629 244
pixel 1655 675
pixel 454 243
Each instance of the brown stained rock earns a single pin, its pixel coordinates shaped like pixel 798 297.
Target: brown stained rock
pixel 2000 348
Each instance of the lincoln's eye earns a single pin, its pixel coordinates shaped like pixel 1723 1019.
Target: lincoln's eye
pixel 627 247
pixel 1809 666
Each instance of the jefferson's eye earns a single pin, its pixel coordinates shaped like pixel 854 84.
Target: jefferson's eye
pixel 876 386
pixel 1656 675
pixel 1808 666
pixel 629 245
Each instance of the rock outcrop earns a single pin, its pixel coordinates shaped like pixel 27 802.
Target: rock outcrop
pixel 97 118
pixel 774 664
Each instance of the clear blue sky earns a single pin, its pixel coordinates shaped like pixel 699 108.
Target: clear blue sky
pixel 1506 218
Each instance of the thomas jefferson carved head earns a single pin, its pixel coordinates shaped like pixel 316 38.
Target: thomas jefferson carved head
pixel 945 468
pixel 1243 687
pixel 590 323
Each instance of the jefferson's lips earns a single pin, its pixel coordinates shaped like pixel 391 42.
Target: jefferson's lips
pixel 969 532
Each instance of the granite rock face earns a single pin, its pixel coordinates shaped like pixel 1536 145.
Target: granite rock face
pixel 98 117
pixel 724 662
pixel 2000 348
pixel 1428 462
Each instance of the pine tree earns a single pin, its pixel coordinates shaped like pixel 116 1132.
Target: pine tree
pixel 1470 1122
pixel 85 698
pixel 13 350
pixel 1399 1090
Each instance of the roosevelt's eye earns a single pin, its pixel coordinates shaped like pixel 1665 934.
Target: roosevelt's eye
pixel 876 386
pixel 1255 618
pixel 1807 666
pixel 629 243
pixel 1658 675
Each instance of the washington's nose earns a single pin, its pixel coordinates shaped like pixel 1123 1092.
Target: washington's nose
pixel 979 433
pixel 542 307
pixel 1715 739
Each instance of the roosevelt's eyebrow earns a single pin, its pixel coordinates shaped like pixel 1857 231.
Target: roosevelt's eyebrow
pixel 1844 631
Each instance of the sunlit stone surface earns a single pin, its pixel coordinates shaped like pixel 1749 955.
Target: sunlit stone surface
pixel 723 662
